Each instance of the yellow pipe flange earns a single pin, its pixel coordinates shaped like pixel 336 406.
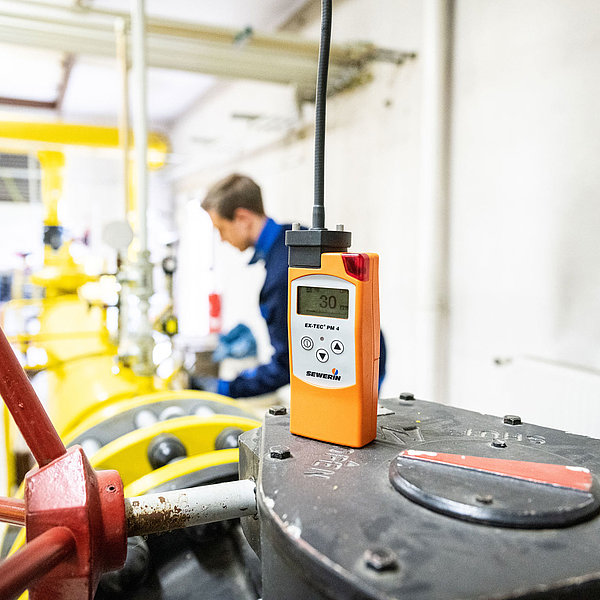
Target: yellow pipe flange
pixel 128 453
pixel 188 465
pixel 114 408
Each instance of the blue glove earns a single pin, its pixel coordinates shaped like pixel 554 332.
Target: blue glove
pixel 238 343
pixel 204 383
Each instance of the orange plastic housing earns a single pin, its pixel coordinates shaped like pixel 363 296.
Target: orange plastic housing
pixel 346 415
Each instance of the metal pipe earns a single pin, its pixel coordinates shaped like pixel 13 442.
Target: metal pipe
pixel 26 408
pixel 123 62
pixel 34 560
pixel 12 510
pixel 142 338
pixel 140 121
pixel 432 286
pixel 166 511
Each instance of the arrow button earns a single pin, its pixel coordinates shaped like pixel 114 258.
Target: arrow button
pixel 322 355
pixel 337 347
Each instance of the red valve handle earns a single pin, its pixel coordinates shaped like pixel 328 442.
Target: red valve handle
pixel 74 515
pixel 26 408
pixel 35 560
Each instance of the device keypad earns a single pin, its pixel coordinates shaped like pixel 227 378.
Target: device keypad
pixel 323 348
pixel 337 347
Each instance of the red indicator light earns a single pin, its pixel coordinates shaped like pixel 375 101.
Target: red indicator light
pixel 357 266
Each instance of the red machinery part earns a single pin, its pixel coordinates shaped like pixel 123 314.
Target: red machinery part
pixel 91 505
pixel 74 516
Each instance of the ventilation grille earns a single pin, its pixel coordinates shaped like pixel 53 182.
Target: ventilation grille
pixel 19 178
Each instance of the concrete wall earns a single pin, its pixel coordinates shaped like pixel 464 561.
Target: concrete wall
pixel 523 329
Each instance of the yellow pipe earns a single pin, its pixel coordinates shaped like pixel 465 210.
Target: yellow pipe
pixel 75 134
pixel 9 455
pixel 51 164
pixel 185 466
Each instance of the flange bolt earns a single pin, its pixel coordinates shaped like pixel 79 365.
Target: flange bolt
pixel 512 419
pixel 280 452
pixel 380 559
pixel 484 498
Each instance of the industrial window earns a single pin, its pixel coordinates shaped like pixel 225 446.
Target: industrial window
pixel 19 178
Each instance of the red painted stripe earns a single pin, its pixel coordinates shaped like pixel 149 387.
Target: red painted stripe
pixel 576 478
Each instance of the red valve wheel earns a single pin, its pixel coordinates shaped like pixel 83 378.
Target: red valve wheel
pixel 74 515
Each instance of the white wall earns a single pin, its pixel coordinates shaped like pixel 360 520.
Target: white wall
pixel 21 231
pixel 525 211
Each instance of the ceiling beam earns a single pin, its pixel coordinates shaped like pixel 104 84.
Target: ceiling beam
pixel 67 67
pixel 26 103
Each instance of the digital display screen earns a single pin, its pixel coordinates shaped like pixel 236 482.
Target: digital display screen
pixel 323 302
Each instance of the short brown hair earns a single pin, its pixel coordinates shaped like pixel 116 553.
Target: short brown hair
pixel 231 192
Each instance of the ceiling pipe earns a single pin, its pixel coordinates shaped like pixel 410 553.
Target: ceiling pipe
pixel 186 29
pixel 179 45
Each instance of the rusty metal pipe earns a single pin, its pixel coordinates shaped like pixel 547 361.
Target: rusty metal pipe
pixel 166 511
pixel 26 408
pixel 12 510
pixel 34 560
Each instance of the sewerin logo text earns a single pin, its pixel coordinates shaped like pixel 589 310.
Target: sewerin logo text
pixel 324 375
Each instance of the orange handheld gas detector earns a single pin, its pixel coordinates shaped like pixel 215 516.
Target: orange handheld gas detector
pixel 334 348
pixel 333 312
